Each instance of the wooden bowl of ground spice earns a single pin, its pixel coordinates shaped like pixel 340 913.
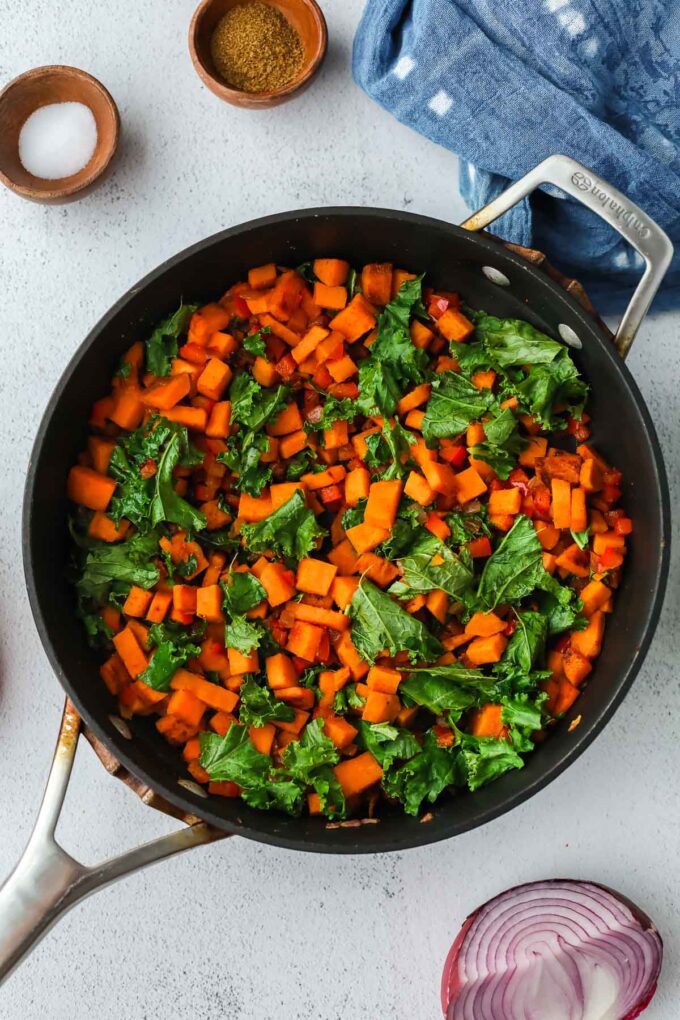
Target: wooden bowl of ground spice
pixel 257 54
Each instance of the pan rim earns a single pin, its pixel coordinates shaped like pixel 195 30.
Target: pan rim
pixel 413 836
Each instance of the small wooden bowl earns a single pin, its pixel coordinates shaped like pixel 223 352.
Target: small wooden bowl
pixel 304 15
pixel 39 87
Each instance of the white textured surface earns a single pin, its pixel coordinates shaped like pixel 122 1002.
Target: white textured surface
pixel 241 931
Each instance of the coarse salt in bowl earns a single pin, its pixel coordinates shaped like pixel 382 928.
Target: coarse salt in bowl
pixel 58 140
pixel 59 130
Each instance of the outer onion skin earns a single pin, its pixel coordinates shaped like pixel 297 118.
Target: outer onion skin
pixel 453 983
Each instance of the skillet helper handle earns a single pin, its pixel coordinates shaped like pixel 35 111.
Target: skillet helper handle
pixel 47 881
pixel 629 220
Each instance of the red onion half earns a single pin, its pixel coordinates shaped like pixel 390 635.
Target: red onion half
pixel 557 950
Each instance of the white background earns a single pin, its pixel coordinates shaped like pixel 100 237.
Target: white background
pixel 242 930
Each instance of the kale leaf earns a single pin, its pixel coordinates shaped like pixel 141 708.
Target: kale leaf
pixel 394 363
pixel 502 444
pixel 98 633
pixel 511 346
pixel 174 647
pixel 428 565
pixel 259 706
pixel 512 342
pixel 130 562
pixel 483 759
pixel 242 456
pixel 424 776
pixel 454 403
pixel 243 635
pixel 299 465
pixel 466 527
pixel 233 758
pixel 406 530
pixel 515 569
pixel 162 345
pixel 526 647
pixel 134 494
pixel 251 404
pixel 562 611
pixel 380 624
pixel 167 504
pixel 332 410
pixel 291 530
pixel 309 761
pixel 254 342
pixel 242 592
pixel 546 386
pixel 450 688
pixel 391 447
pixel 387 743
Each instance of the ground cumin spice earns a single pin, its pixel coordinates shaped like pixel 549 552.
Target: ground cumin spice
pixel 255 48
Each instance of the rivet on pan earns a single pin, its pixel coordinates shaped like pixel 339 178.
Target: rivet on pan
pixel 121 726
pixel 192 787
pixel 569 337
pixel 496 276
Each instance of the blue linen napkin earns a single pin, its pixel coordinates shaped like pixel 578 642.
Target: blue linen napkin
pixel 505 83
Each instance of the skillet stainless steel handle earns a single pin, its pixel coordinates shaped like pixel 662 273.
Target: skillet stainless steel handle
pixel 631 222
pixel 47 881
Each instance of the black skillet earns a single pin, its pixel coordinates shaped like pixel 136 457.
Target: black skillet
pixel 47 881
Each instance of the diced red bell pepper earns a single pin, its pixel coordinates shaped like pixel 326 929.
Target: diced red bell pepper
pixel 611 493
pixel 324 649
pixel 446 501
pixel 497 483
pixel 623 526
pixel 562 642
pixel 612 477
pixel 528 507
pixel 437 306
pixel 341 390
pixel 510 627
pixel 578 428
pixel 193 352
pixel 322 378
pixel 215 446
pixel 213 647
pixel 241 307
pixel 285 367
pixel 274 347
pixel 337 352
pixel 332 497
pixel 444 735
pixel 454 455
pixel 542 500
pixel 311 404
pixel 480 547
pixel 148 468
pixel 289 576
pixel 300 664
pixel 452 297
pixel 610 559
pixel 279 632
